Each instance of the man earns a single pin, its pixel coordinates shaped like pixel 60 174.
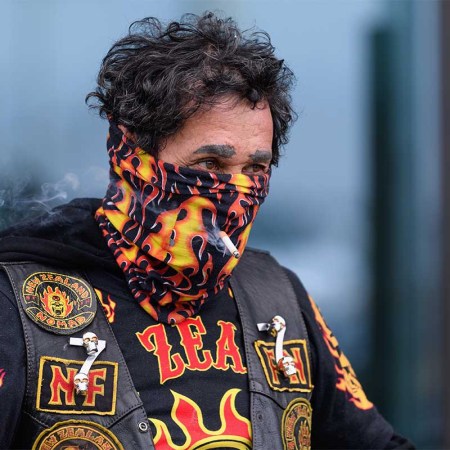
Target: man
pixel 197 342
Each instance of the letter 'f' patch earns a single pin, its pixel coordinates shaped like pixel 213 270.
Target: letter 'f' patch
pixel 296 348
pixel 56 389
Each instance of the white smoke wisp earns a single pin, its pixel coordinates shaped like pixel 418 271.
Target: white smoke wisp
pixel 59 190
pixel 52 193
pixel 21 198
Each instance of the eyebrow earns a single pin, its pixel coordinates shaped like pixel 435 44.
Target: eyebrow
pixel 228 151
pixel 261 156
pixel 224 151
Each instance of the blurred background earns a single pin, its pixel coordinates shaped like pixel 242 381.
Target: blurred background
pixel 359 203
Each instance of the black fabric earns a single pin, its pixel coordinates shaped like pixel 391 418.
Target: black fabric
pixel 12 364
pixel 399 442
pixel 70 238
pixel 165 367
pixel 346 426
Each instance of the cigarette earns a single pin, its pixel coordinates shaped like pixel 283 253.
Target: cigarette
pixel 228 244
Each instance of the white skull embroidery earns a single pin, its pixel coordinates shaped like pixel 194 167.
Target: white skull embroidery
pixel 277 325
pixel 287 366
pixel 81 382
pixel 90 343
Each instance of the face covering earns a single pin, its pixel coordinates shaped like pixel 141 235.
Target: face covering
pixel 162 223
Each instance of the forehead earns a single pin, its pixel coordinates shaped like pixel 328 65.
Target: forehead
pixel 231 122
pixel 230 114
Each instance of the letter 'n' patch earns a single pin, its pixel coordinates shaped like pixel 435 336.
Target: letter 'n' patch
pixel 296 348
pixel 56 389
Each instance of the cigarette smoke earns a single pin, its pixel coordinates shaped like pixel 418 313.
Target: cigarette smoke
pixel 54 192
pixel 23 198
pixel 215 239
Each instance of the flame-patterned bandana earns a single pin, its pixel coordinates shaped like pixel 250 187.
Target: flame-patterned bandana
pixel 163 224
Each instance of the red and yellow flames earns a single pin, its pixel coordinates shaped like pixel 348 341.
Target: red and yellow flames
pixel 234 432
pixel 109 305
pixel 346 380
pixel 56 302
pixel 2 376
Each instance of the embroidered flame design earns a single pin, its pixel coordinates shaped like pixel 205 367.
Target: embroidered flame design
pixel 234 432
pixel 346 381
pixel 109 305
pixel 56 302
pixel 2 376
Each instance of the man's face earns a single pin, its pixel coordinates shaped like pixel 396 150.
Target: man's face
pixel 229 138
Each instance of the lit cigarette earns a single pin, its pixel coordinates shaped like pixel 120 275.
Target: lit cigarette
pixel 228 244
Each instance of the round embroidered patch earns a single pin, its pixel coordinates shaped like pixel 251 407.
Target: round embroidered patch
pixel 76 435
pixel 296 425
pixel 60 303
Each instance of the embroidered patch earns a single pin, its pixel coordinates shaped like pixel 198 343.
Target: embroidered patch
pixel 296 425
pixel 56 393
pixel 58 302
pixel 77 435
pixel 2 376
pixel 301 381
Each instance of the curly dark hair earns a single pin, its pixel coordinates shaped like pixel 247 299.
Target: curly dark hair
pixel 157 76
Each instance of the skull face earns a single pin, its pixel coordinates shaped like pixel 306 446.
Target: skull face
pixel 58 305
pixel 277 324
pixel 286 365
pixel 90 343
pixel 81 382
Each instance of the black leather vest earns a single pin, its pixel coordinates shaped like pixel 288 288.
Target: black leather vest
pixel 261 289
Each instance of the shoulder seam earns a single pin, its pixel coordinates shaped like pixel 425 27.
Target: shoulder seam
pixel 257 250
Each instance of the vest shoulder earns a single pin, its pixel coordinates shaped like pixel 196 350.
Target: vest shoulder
pixel 274 272
pixel 257 251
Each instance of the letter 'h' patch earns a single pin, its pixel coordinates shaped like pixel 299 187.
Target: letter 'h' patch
pixel 296 348
pixel 56 389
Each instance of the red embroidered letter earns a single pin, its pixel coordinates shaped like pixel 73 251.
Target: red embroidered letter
pixel 227 348
pixel 62 383
pixel 191 331
pixel 170 366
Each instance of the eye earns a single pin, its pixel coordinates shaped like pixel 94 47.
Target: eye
pixel 255 169
pixel 208 164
